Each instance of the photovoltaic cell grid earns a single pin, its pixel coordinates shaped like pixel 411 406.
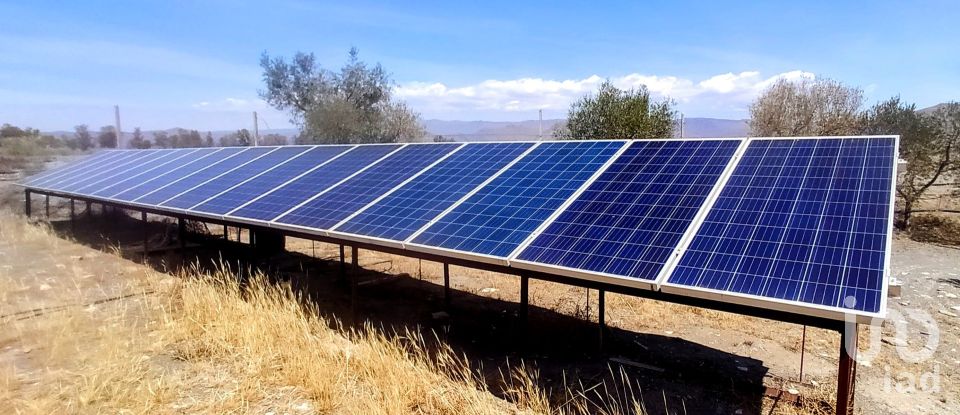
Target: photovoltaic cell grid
pixel 412 206
pixel 630 220
pixel 219 163
pixel 69 168
pixel 140 173
pixel 270 179
pixel 799 220
pixel 184 166
pixel 340 202
pixel 281 199
pixel 496 220
pixel 225 182
pixel 82 169
pixel 75 181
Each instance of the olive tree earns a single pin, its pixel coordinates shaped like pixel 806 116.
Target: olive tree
pixel 806 107
pixel 352 105
pixel 615 113
pixel 926 144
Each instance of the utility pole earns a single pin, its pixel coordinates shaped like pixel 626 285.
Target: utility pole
pixel 116 114
pixel 540 127
pixel 681 125
pixel 256 130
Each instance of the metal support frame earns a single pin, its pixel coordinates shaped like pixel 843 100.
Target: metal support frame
pixel 354 275
pixel 27 205
pixel 146 234
pixel 73 213
pixel 87 213
pixel 225 233
pixel 601 316
pixel 845 379
pixel 847 374
pixel 181 233
pixel 446 286
pixel 46 206
pixel 343 265
pixel 524 302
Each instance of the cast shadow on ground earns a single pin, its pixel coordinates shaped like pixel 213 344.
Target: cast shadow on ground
pixel 684 377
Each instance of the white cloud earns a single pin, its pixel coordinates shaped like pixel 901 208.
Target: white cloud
pixel 720 95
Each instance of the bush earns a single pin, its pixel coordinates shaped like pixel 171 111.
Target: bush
pixel 935 228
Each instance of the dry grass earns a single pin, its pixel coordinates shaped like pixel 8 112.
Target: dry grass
pixel 203 343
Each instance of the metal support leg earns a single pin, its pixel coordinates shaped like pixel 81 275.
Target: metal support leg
pixel 524 302
pixel 73 212
pixel 146 234
pixel 446 286
pixel 601 315
pixel 847 376
pixel 87 213
pixel 343 266
pixel 46 206
pixel 354 275
pixel 27 204
pixel 181 233
pixel 225 232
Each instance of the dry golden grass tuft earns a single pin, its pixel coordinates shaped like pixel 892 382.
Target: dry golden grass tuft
pixel 204 343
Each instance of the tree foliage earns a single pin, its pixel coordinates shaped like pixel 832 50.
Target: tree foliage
pixel 613 113
pixel 138 141
pixel 808 107
pixel 84 139
pixel 353 105
pixel 107 138
pixel 241 138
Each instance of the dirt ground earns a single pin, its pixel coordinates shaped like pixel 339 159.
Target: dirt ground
pixel 684 360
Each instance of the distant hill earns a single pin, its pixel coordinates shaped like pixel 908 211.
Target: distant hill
pixel 930 110
pixel 528 130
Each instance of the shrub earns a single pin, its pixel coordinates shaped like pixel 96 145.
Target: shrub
pixel 935 228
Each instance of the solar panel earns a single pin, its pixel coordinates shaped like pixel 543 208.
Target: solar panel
pixel 801 222
pixel 410 207
pixel 628 222
pixel 72 167
pixel 217 164
pixel 260 184
pixel 329 208
pixel 233 178
pixel 279 200
pixel 137 173
pixel 496 219
pixel 108 172
pixel 182 167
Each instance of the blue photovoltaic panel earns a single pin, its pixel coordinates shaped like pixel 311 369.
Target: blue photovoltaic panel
pixel 86 171
pixel 62 171
pixel 496 219
pixel 630 220
pixel 107 172
pixel 216 164
pixel 350 196
pixel 182 167
pixel 138 174
pixel 270 179
pixel 412 206
pixel 290 195
pixel 233 178
pixel 799 220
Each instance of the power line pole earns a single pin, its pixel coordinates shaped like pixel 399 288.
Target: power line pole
pixel 256 130
pixel 681 125
pixel 116 114
pixel 540 126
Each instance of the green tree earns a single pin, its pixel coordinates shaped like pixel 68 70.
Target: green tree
pixel 353 105
pixel 241 138
pixel 208 139
pixel 83 137
pixel 162 139
pixel 7 131
pixel 923 145
pixel 806 108
pixel 273 140
pixel 138 141
pixel 613 113
pixel 107 137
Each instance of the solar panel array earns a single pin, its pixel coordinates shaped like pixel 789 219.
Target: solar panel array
pixel 801 225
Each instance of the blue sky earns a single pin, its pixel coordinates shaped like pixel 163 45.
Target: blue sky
pixel 195 64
